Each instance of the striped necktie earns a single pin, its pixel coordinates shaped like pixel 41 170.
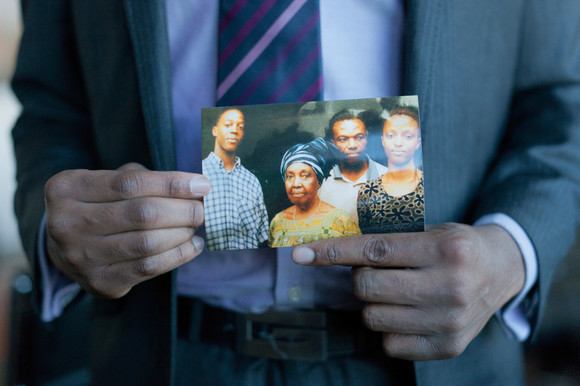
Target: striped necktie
pixel 269 52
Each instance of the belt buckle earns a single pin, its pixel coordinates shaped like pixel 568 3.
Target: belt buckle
pixel 293 335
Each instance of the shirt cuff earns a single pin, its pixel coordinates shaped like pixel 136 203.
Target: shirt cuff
pixel 58 290
pixel 513 317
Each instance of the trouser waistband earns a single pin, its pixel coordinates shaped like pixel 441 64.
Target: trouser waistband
pixel 289 335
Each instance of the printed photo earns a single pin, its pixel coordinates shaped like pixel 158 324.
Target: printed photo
pixel 288 174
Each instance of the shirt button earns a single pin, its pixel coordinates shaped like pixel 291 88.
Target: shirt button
pixel 295 293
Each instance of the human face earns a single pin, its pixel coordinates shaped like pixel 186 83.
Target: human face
pixel 350 136
pixel 401 139
pixel 301 184
pixel 229 131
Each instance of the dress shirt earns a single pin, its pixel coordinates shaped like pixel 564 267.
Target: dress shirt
pixel 339 191
pixel 255 280
pixel 262 279
pixel 235 213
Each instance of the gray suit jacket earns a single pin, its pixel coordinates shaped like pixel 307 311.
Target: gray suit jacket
pixel 499 90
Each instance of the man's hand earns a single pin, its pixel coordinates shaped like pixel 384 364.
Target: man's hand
pixel 429 293
pixel 112 229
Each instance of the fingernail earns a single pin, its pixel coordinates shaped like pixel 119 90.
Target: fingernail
pixel 199 185
pixel 198 243
pixel 303 255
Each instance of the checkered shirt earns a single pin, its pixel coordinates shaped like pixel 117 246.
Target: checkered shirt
pixel 235 214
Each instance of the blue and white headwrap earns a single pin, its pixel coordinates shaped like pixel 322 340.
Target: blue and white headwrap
pixel 319 154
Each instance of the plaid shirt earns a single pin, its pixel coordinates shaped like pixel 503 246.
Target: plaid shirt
pixel 235 214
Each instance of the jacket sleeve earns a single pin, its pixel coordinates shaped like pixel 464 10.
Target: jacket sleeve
pixel 536 176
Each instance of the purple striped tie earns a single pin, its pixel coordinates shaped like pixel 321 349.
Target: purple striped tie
pixel 269 52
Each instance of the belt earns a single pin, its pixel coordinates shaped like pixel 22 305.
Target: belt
pixel 288 335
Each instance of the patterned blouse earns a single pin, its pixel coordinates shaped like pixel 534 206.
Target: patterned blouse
pixel 379 212
pixel 288 233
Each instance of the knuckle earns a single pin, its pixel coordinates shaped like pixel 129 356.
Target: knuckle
pixel 185 252
pixel 330 253
pixel 59 185
pixel 52 189
pixel 363 284
pixel 95 285
pixel 111 292
pixel 458 292
pixel 196 213
pixel 371 318
pixel 106 284
pixel 57 226
pixel 143 212
pixel 387 345
pixel 127 184
pixel 452 324
pixel 376 250
pixel 143 244
pixel 174 186
pixel 451 348
pixel 391 345
pixel 74 261
pixel 146 267
pixel 458 246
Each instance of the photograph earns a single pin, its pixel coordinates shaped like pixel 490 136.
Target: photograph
pixel 282 175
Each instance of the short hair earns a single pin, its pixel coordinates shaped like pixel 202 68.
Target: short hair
pixel 222 109
pixel 410 111
pixel 343 115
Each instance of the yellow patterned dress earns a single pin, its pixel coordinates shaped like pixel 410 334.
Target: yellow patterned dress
pixel 288 233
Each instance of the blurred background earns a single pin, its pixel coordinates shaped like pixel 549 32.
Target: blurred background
pixel 12 259
pixel 552 359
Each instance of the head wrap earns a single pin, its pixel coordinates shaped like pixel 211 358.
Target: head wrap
pixel 319 154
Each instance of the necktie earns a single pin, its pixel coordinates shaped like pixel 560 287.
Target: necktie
pixel 269 52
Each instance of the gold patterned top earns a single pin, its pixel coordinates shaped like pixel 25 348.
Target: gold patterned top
pixel 289 233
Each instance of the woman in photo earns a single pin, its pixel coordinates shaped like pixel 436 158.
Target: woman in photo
pixel 303 169
pixel 395 201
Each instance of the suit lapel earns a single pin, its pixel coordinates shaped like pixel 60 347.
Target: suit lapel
pixel 147 24
pixel 428 74
pixel 424 20
pixel 423 27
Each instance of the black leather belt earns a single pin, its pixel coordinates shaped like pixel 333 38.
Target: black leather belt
pixel 291 335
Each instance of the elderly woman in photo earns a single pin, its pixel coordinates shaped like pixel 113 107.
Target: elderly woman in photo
pixel 303 168
pixel 394 202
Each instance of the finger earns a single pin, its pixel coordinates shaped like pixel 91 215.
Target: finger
pixel 422 347
pixel 411 286
pixel 140 214
pixel 149 267
pixel 115 185
pixel 400 319
pixel 115 280
pixel 134 245
pixel 381 250
pixel 408 347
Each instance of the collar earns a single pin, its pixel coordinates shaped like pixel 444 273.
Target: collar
pixel 371 173
pixel 217 160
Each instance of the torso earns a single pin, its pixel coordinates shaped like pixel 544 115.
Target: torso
pixel 380 212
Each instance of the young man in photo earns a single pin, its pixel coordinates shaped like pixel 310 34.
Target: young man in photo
pixel 235 214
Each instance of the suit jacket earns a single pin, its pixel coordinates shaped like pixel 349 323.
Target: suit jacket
pixel 499 90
